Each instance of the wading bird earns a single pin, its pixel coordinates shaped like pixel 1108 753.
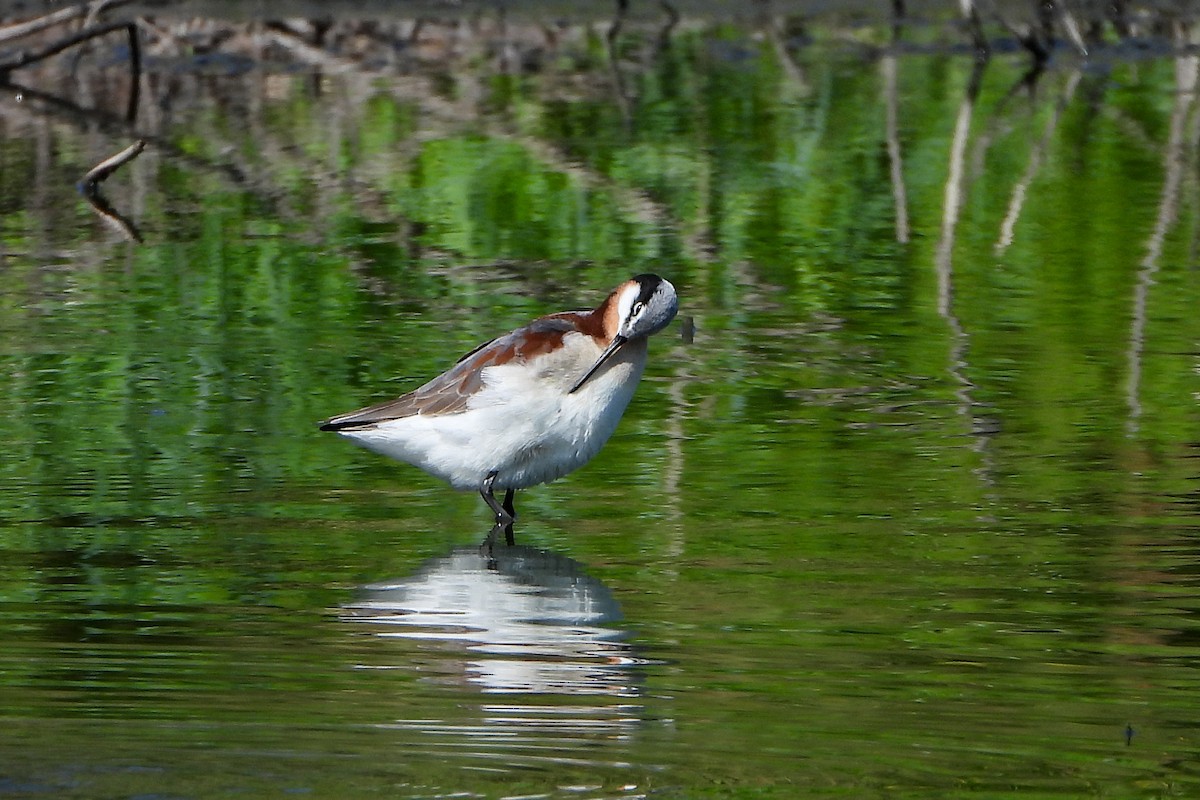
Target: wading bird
pixel 526 407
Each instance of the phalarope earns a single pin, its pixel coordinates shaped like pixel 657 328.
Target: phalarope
pixel 526 407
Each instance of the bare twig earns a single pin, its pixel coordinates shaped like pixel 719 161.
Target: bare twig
pixel 955 191
pixel 791 68
pixel 891 101
pixel 896 165
pixel 1187 76
pixel 1017 201
pixel 1071 26
pixel 89 187
pixel 308 53
pixel 88 11
pixel 24 59
pixel 110 165
pixel 135 69
pixel 968 406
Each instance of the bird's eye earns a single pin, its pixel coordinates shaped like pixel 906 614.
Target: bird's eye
pixel 637 308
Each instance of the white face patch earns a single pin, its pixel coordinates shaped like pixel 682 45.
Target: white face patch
pixel 629 296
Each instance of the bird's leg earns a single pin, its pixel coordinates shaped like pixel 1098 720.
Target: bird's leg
pixel 504 519
pixel 512 513
pixel 504 515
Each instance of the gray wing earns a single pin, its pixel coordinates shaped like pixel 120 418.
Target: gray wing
pixel 449 392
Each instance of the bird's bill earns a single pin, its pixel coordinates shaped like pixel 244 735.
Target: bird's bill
pixel 613 346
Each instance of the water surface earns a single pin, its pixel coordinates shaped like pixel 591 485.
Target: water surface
pixel 913 515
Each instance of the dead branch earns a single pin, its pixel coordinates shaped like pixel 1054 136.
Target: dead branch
pixel 89 187
pixel 110 165
pixel 88 11
pixel 26 58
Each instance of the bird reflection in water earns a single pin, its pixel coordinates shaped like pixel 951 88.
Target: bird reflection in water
pixel 528 622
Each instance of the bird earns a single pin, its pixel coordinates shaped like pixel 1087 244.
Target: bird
pixel 526 407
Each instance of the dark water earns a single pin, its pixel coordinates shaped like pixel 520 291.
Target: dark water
pixel 914 515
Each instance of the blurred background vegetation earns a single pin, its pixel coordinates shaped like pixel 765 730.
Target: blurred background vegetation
pixel 936 433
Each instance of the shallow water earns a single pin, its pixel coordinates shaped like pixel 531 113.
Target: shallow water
pixel 914 513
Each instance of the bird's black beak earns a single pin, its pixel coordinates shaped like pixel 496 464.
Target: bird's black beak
pixel 613 346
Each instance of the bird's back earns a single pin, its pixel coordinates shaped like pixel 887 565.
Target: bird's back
pixel 450 392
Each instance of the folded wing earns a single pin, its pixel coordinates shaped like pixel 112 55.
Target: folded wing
pixel 449 392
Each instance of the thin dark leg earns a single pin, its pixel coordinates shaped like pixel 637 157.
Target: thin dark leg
pixel 504 519
pixel 512 513
pixel 503 515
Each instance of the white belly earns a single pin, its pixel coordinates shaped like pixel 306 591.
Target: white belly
pixel 522 424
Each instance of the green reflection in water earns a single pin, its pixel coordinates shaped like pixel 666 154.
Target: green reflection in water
pixel 870 534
